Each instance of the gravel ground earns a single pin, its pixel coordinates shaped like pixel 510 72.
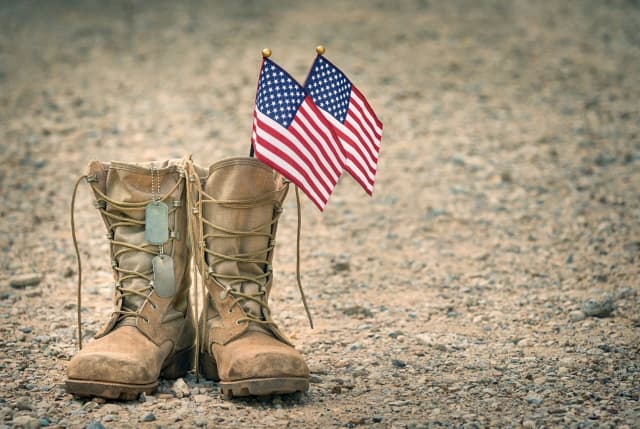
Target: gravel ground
pixel 491 281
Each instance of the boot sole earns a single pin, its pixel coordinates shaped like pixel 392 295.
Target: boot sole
pixel 117 391
pixel 251 387
pixel 263 386
pixel 175 366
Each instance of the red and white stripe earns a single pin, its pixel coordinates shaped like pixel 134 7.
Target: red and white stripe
pixel 307 152
pixel 360 135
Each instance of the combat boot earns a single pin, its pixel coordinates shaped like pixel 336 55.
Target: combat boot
pixel 151 331
pixel 236 213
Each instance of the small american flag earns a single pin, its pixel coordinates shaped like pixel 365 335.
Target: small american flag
pixel 291 135
pixel 354 121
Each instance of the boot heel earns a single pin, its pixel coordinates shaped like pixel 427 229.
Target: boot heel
pixel 179 364
pixel 208 367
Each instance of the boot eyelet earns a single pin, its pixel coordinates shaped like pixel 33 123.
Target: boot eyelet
pixel 155 307
pixel 230 311
pixel 146 321
pixel 238 322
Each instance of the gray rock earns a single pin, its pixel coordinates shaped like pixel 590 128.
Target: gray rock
pixel 577 316
pixel 26 422
pixel 355 346
pixel 398 363
pixel 357 310
pixel 6 413
pixel 341 264
pixel 181 388
pixel 95 425
pixel 44 339
pixel 201 398
pixel 533 399
pixel 24 280
pixel 315 379
pixel 149 417
pixel 602 308
pixel 23 404
pixel 89 406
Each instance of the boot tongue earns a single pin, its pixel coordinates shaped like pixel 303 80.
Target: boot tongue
pixel 132 183
pixel 238 182
pixel 242 245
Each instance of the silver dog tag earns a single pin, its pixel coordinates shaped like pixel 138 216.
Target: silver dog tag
pixel 156 228
pixel 164 281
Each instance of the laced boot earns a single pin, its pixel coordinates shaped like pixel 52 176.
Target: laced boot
pixel 151 331
pixel 236 213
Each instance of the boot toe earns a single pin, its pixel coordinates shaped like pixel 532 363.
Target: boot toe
pixel 258 356
pixel 112 367
pixel 124 356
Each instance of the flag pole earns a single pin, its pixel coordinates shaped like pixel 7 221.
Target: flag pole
pixel 266 53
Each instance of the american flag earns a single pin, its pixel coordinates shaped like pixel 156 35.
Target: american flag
pixel 354 121
pixel 291 135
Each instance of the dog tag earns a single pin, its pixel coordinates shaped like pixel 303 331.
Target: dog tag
pixel 164 281
pixel 156 228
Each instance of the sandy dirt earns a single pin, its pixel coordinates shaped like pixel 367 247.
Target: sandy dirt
pixel 491 281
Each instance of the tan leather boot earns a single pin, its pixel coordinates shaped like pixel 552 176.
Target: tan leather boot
pixel 151 330
pixel 237 215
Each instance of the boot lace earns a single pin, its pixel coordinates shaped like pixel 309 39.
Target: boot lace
pixel 122 275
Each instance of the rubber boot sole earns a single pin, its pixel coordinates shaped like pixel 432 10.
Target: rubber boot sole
pixel 251 387
pixel 263 386
pixel 175 366
pixel 103 389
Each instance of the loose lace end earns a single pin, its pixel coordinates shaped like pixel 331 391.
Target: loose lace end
pixel 78 259
pixel 304 299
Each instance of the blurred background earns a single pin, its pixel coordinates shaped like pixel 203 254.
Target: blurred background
pixel 507 192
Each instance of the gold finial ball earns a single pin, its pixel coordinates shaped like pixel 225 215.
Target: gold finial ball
pixel 320 50
pixel 266 53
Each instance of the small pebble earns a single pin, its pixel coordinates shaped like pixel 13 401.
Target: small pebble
pixel 602 308
pixel 341 264
pixel 23 404
pixel 181 388
pixel 111 408
pixel 95 425
pixel 24 280
pixel 201 398
pixel 315 379
pixel 149 417
pixel 26 422
pixel 577 316
pixel 533 399
pixel 398 363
